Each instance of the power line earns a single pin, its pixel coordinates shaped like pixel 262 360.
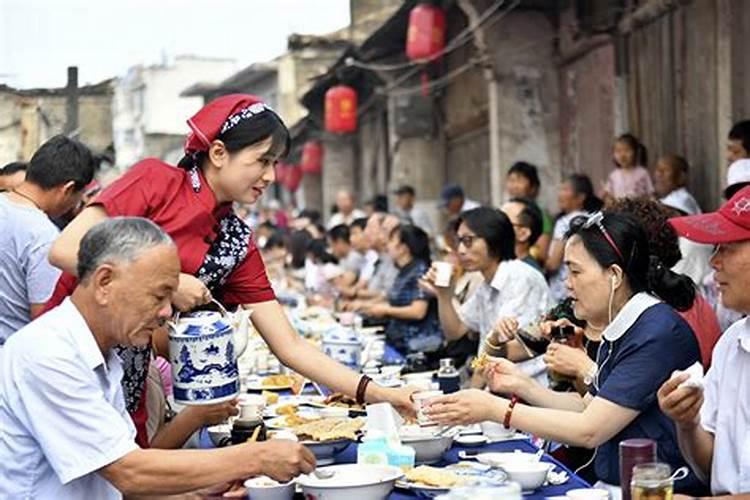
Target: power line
pixel 458 41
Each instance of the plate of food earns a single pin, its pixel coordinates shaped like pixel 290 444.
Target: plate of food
pixel 338 400
pixel 327 436
pixel 427 481
pixel 278 382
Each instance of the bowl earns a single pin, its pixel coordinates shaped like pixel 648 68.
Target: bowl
pixel 428 447
pixel 530 475
pixel 265 488
pixel 324 451
pixel 220 434
pixel 495 431
pixel 501 459
pixel 470 440
pixel 351 481
pixel 587 494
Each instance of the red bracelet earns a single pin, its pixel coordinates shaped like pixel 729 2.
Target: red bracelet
pixel 509 411
pixel 361 388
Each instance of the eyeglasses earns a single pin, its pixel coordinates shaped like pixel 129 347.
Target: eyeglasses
pixel 595 219
pixel 466 240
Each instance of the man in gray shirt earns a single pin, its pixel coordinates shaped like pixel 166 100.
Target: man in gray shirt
pixel 55 178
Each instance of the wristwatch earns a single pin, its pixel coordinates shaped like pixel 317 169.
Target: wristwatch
pixel 590 375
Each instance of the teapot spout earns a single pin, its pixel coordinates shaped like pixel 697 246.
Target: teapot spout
pixel 241 323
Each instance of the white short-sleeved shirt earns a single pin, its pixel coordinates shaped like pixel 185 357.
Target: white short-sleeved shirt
pixel 517 290
pixel 369 266
pixel 726 410
pixel 26 276
pixel 62 411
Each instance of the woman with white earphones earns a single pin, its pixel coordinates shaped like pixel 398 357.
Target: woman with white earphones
pixel 618 285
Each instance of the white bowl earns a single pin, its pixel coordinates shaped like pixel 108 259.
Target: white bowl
pixel 218 433
pixel 495 431
pixel 265 488
pixel 427 447
pixel 500 459
pixel 530 475
pixel 470 440
pixel 352 481
pixel 325 451
pixel 587 494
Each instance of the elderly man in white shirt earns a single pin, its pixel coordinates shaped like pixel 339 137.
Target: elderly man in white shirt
pixel 65 432
pixel 511 288
pixel 713 418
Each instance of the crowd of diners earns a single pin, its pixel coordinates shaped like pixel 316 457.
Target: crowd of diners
pixel 643 282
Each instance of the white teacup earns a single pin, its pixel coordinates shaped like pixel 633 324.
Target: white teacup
pixel 420 401
pixel 443 274
pixel 251 406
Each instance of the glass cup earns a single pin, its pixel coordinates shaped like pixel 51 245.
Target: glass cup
pixel 651 481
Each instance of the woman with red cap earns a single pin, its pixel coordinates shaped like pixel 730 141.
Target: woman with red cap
pixel 230 154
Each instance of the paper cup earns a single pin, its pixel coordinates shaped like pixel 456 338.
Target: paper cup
pixel 443 274
pixel 420 401
pixel 251 406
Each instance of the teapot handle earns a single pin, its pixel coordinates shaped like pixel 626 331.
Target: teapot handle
pixel 221 308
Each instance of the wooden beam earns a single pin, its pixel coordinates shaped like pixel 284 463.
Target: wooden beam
pixel 647 13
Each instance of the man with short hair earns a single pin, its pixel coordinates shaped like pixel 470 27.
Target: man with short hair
pixel 12 175
pixel 738 142
pixel 405 198
pixel 454 202
pixel 54 183
pixel 65 432
pixel 346 210
pixel 526 218
pixel 350 260
pixel 713 420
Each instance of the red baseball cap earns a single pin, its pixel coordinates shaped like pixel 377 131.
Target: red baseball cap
pixel 729 224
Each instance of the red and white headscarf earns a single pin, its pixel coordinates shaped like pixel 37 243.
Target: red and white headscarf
pixel 218 116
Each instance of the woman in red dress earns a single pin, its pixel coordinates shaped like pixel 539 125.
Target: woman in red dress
pixel 230 154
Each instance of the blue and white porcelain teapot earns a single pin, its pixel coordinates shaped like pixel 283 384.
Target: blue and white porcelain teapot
pixel 203 350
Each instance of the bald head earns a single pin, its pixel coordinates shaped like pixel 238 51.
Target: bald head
pixel 345 201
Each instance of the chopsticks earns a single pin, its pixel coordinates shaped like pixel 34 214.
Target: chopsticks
pixel 254 437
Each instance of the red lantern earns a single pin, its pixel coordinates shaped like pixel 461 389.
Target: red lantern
pixel 426 35
pixel 341 109
pixel 281 173
pixel 293 178
pixel 312 158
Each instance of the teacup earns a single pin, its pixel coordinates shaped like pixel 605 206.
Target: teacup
pixel 252 406
pixel 420 400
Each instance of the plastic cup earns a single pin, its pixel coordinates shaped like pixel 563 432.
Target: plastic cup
pixel 443 274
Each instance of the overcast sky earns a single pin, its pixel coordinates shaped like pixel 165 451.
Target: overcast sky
pixel 39 39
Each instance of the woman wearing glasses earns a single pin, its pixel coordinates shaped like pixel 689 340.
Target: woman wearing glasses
pixel 486 243
pixel 617 285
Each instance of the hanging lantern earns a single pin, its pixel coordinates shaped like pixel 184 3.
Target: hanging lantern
pixel 426 35
pixel 341 109
pixel 281 173
pixel 312 158
pixel 293 178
